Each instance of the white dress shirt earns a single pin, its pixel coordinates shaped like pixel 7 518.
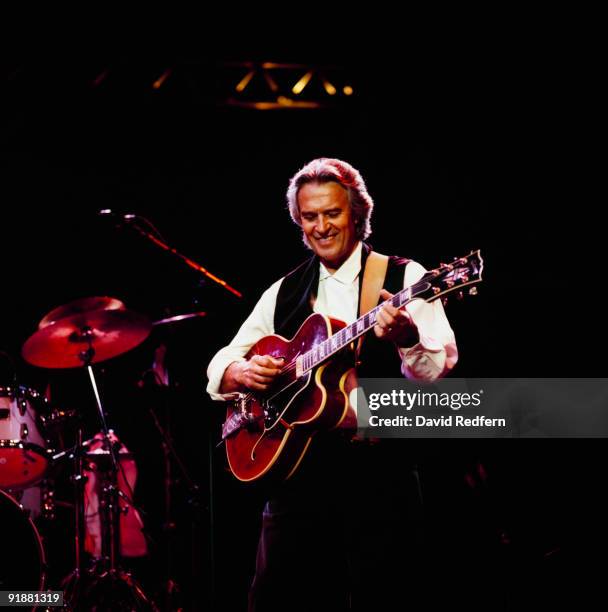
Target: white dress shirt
pixel 338 296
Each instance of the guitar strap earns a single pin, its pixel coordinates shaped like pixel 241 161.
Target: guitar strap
pixel 373 281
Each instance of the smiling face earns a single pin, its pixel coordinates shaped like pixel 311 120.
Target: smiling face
pixel 327 222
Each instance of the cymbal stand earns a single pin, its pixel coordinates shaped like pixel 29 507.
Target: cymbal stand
pixel 117 580
pixel 111 510
pixel 87 357
pixel 72 582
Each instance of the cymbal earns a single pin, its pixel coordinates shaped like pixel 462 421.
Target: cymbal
pixel 61 343
pixel 87 304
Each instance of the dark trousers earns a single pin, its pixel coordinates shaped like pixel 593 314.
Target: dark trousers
pixel 343 534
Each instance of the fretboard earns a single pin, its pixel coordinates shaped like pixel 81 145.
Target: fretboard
pixel 346 335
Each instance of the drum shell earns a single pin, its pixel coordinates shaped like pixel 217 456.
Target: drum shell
pixel 24 458
pixel 22 562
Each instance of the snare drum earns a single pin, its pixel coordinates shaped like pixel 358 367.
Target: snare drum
pixel 24 458
pixel 22 561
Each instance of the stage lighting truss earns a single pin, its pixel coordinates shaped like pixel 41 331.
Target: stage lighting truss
pixel 273 86
pixel 246 84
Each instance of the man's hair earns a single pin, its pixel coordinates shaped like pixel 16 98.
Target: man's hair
pixel 325 170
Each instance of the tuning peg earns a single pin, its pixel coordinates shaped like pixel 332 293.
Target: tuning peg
pixel 473 291
pixel 445 266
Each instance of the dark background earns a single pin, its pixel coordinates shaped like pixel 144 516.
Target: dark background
pixel 461 149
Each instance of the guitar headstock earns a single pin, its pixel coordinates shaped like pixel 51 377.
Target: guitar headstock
pixel 461 272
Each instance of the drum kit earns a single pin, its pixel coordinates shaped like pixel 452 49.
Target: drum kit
pixel 79 334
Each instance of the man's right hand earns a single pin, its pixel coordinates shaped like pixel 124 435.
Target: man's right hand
pixel 255 374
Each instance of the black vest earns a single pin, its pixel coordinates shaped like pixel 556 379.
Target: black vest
pixel 378 358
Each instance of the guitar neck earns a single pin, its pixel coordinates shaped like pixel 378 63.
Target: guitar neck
pixel 328 348
pixel 460 273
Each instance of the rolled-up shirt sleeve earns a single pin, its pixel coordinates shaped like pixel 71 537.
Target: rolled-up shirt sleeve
pixel 435 354
pixel 258 324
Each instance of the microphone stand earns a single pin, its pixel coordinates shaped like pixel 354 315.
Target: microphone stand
pixel 156 240
pixel 156 381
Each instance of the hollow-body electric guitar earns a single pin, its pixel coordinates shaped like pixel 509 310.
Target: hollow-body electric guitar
pixel 267 434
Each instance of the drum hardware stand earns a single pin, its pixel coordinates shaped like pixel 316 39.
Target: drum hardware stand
pixel 71 584
pixel 106 570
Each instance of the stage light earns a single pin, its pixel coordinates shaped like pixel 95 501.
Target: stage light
pixel 271 82
pixel 301 84
pixel 329 88
pixel 161 79
pixel 245 81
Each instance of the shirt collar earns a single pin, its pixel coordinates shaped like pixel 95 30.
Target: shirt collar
pixel 348 271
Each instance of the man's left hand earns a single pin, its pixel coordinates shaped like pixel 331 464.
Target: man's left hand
pixel 394 324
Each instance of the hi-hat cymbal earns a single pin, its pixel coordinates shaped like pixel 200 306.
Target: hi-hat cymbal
pixel 80 306
pixel 62 343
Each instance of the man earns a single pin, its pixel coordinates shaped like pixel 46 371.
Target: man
pixel 327 531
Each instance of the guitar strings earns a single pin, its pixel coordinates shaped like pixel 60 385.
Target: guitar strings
pixel 394 301
pixel 292 365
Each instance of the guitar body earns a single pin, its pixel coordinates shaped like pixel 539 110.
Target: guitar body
pixel 281 423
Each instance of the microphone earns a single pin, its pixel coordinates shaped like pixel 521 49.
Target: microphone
pixel 108 212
